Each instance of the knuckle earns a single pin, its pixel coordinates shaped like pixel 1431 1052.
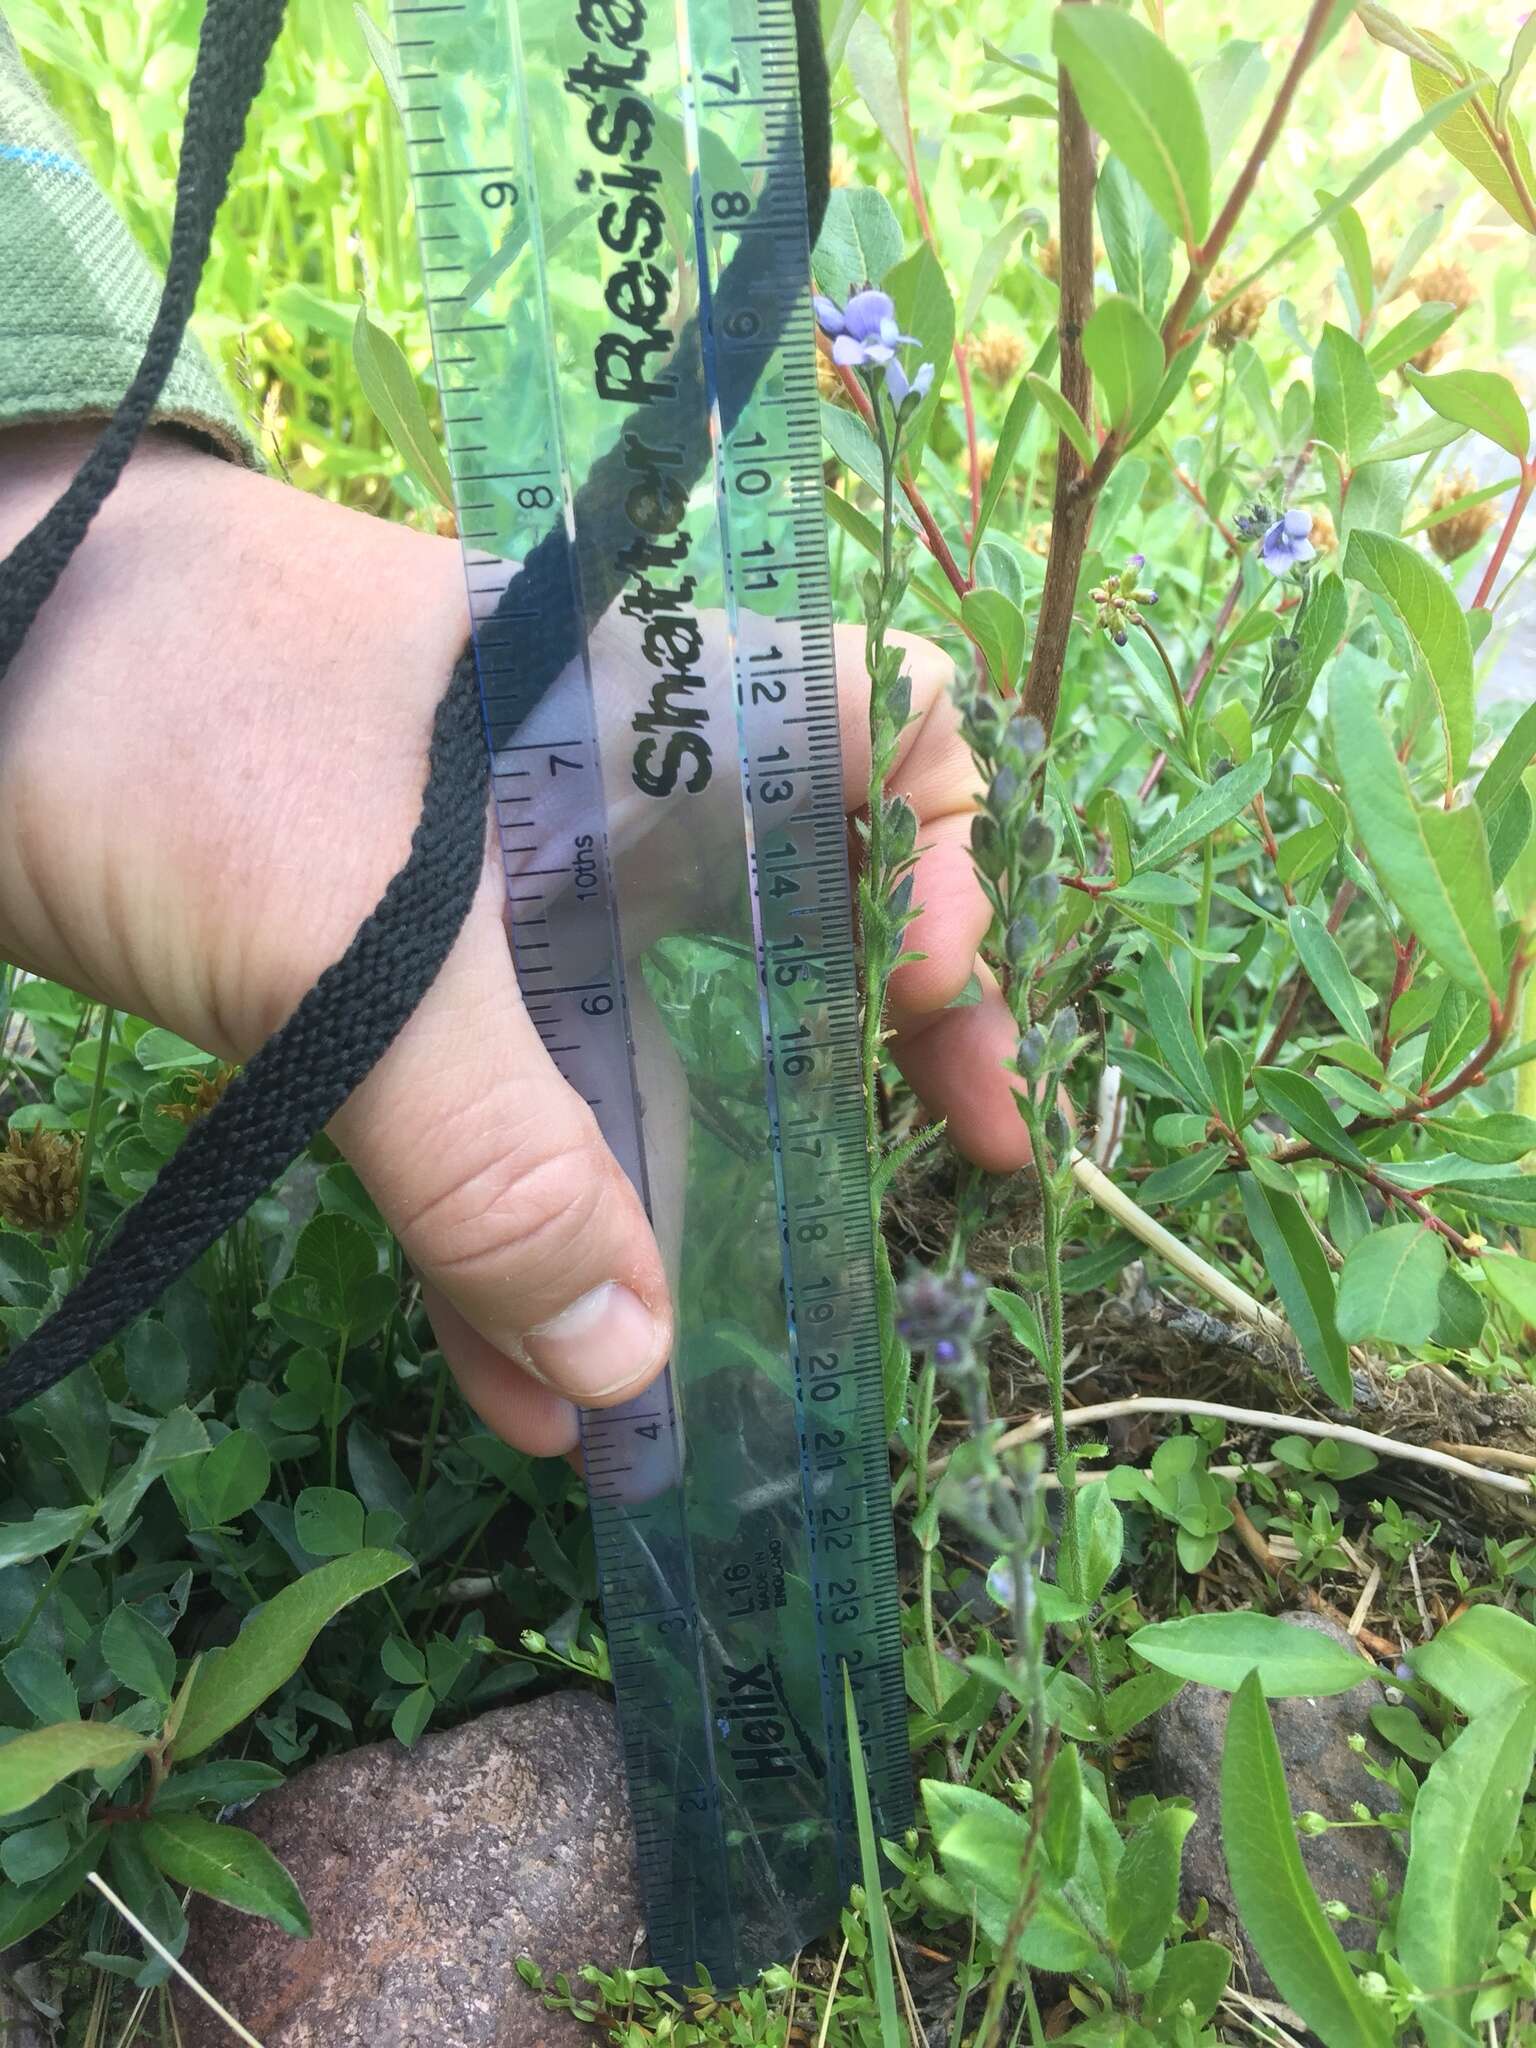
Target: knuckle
pixel 532 1203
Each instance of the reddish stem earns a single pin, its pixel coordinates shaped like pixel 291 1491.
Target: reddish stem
pixel 935 542
pixel 1516 513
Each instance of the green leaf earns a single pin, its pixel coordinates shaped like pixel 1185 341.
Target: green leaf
pixel 1496 1139
pixel 1377 168
pixel 1100 1540
pixel 1501 777
pixel 1167 1009
pixel 382 51
pixel 233 1476
pixel 1020 410
pixel 409 1720
pixel 228 1864
pixel 1207 811
pixel 1348 231
pixel 995 253
pixel 998 628
pixel 1305 1108
pixel 1137 1698
pixel 1480 399
pixel 390 386
pixel 1123 351
pixel 1145 1894
pixel 982 1845
pixel 1140 98
pixel 1464 1821
pixel 1279 1908
pixel 231 1683
pixel 1432 863
pixel 1409 336
pixel 1294 1260
pixel 1479 1660
pixel 1519 57
pixel 1060 414
pixel 1020 1316
pixel 136 1652
pixel 1222 1650
pixel 1229 84
pixel 1512 1278
pixel 923 307
pixel 1139 246
pixel 869 1870
pixel 1390 1286
pixel 1464 130
pixel 1328 971
pixel 859 241
pixel 1195 1975
pixel 34 1763
pixel 1061 1835
pixel 328 1521
pixel 156 1365
pixel 25 1908
pixel 1347 409
pixel 49 1529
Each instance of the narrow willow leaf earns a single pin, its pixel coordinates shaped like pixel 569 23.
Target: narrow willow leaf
pixel 872 66
pixel 1305 1107
pixel 1415 332
pixel 1206 811
pixel 1167 1009
pixel 1061 414
pixel 382 51
pixel 1423 439
pixel 1136 239
pixel 1465 130
pixel 1328 971
pixel 274 1642
pixel 33 1763
pixel 1389 1289
pixel 1280 1910
pixel 1140 98
pixel 1464 1821
pixel 1020 410
pixel 1432 863
pixel 1480 399
pixel 1519 57
pixel 1347 411
pixel 1123 351
pixel 1377 168
pixel 992 258
pixel 1229 84
pixel 228 1864
pixel 390 387
pixel 1508 764
pixel 1294 1260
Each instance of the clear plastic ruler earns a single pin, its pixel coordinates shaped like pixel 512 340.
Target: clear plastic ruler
pixel 612 218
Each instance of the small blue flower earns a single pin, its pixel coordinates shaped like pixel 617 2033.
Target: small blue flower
pixel 901 386
pixel 1288 545
pixel 864 331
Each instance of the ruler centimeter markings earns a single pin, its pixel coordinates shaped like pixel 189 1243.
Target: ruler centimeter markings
pixel 611 205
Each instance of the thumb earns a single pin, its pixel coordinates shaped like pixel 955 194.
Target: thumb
pixel 537 1262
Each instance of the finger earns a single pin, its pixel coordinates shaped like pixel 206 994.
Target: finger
pixel 505 1397
pixel 492 1173
pixel 934 771
pixel 954 1062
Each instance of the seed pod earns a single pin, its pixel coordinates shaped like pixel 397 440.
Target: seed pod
pixel 1032 1053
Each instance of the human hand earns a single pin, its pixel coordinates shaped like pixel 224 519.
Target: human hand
pixel 211 756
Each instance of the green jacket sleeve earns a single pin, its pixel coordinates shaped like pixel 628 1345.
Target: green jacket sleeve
pixel 77 295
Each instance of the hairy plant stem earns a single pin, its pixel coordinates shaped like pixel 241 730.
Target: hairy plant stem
pixel 88 1144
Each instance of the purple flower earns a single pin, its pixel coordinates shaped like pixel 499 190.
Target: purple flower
pixel 864 331
pixel 901 386
pixel 1288 545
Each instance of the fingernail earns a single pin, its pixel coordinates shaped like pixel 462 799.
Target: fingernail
pixel 599 1345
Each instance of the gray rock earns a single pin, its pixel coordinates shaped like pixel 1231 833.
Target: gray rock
pixel 427 1874
pixel 21 2024
pixel 1324 1775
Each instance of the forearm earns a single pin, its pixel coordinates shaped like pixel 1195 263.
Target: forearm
pixel 212 622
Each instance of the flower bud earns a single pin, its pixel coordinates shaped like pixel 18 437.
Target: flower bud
pixel 1058 1132
pixel 1336 1909
pixel 1037 842
pixel 1005 787
pixel 1311 1823
pixel 1065 1032
pixel 1045 892
pixel 899 902
pixel 987 846
pixel 901 826
pixel 1027 1263
pixel 1032 1053
pixel 898 700
pixel 1022 938
pixel 1027 734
